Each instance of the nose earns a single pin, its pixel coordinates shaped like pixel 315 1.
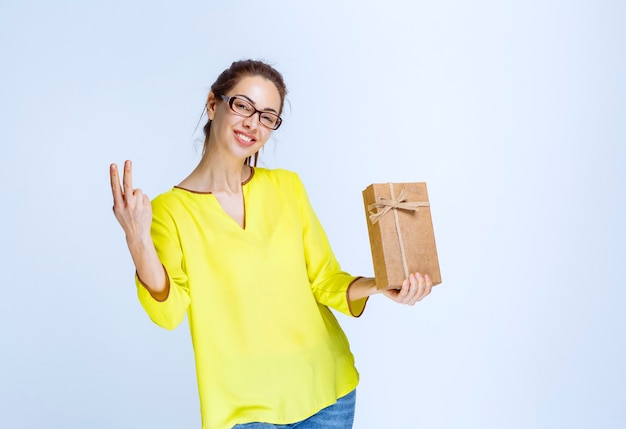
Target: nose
pixel 252 122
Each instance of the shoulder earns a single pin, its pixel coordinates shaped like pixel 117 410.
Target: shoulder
pixel 166 197
pixel 276 175
pixel 172 201
pixel 278 178
pixel 283 185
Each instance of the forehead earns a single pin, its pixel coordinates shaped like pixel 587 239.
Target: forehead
pixel 260 90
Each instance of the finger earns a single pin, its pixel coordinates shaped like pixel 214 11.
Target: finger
pixel 128 178
pixel 404 290
pixel 425 286
pixel 116 188
pixel 416 282
pixel 411 289
pixel 403 293
pixel 141 199
pixel 138 194
pixel 428 285
pixel 414 289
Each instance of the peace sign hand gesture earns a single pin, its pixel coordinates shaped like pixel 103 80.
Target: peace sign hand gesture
pixel 134 212
pixel 131 207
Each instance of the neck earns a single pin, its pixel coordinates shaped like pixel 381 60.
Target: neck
pixel 216 173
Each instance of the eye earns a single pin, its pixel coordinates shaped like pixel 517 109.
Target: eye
pixel 268 118
pixel 242 106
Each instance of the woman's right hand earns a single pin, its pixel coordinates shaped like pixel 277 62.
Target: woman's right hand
pixel 131 207
pixel 134 212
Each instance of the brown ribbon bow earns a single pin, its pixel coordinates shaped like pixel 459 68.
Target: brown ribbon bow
pixel 393 203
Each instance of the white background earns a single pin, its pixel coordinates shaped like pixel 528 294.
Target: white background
pixel 513 112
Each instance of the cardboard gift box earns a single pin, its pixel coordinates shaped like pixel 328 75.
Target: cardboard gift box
pixel 401 233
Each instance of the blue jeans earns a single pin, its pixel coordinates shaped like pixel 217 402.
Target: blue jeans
pixel 340 415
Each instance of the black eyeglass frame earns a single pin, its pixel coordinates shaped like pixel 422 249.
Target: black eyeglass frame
pixel 231 100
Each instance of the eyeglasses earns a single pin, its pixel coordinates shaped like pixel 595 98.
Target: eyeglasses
pixel 244 108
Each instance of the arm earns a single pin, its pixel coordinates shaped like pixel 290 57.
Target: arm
pixel 414 289
pixel 134 213
pixel 329 284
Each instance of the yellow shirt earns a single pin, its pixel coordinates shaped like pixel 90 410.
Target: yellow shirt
pixel 266 345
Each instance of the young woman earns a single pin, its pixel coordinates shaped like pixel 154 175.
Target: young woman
pixel 239 250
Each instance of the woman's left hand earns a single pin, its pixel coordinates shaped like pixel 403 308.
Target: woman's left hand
pixel 413 290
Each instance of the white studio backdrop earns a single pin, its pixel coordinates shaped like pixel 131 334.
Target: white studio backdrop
pixel 513 112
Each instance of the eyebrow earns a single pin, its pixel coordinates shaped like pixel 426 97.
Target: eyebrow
pixel 267 109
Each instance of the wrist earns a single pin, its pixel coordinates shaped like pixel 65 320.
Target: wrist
pixel 362 288
pixel 138 243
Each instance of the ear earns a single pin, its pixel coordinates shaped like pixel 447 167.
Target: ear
pixel 211 103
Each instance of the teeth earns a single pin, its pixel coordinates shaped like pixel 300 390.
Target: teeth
pixel 244 138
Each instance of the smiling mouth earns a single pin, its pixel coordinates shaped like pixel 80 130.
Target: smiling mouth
pixel 244 138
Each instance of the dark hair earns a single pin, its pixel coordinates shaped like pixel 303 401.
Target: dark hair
pixel 231 77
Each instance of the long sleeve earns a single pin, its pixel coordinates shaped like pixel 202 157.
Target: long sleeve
pixel 328 282
pixel 169 313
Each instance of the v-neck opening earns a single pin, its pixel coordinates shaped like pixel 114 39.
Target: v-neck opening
pixel 243 200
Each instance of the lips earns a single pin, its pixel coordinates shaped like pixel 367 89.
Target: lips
pixel 244 138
